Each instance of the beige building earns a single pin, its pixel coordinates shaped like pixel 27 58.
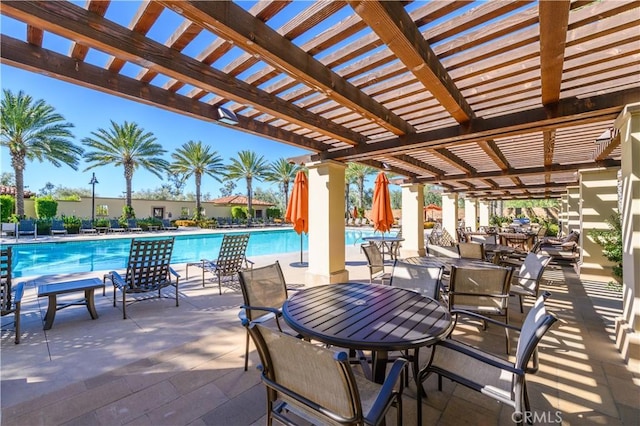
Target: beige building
pixel 106 207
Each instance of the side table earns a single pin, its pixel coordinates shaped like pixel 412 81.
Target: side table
pixel 53 290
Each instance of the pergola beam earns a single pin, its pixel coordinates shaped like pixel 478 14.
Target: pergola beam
pixel 232 22
pixel 396 29
pixel 42 61
pixel 68 20
pixel 566 113
pixel 554 22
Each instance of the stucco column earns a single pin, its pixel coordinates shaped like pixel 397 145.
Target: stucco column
pixel 471 213
pixel 563 216
pixel 573 209
pixel 412 220
pixel 628 326
pixel 599 198
pixel 483 212
pixel 326 223
pixel 450 214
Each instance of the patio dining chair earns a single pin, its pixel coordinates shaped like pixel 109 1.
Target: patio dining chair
pixel 57 227
pixel 27 227
pixel 483 291
pixel 471 251
pixel 526 281
pixel 264 291
pixel 148 272
pixel 375 263
pixel 10 295
pixel 426 280
pixel 306 381
pixel 231 259
pixel 493 376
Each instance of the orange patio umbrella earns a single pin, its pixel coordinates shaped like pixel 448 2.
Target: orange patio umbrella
pixel 381 214
pixel 355 212
pixel 298 207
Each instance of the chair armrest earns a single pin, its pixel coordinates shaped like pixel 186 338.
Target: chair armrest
pixel 484 318
pixel 275 311
pixel 116 279
pixel 459 293
pixel 389 388
pixel 476 354
pixel 173 272
pixel 18 291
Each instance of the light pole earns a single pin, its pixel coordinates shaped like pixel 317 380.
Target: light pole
pixel 93 197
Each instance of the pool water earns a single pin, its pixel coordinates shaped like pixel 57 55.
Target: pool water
pixel 67 257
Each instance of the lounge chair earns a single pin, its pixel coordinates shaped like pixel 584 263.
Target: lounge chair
pixel 114 226
pixel 10 295
pixel 166 225
pixel 488 374
pixel 317 383
pixel 132 226
pixel 231 259
pixel 9 229
pixel 57 227
pixel 86 227
pixel 148 272
pixel 27 227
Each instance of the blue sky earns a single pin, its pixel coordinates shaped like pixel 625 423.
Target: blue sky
pixel 90 110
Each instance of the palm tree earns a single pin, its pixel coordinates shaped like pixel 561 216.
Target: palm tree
pixel 194 158
pixel 127 145
pixel 283 173
pixel 34 131
pixel 248 166
pixel 357 173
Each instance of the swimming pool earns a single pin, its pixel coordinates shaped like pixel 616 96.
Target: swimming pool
pixel 67 257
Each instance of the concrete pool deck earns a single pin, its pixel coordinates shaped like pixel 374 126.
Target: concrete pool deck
pixel 184 365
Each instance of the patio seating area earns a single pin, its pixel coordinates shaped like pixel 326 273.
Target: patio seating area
pixel 187 368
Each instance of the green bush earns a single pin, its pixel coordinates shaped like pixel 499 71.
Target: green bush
pixel 46 207
pixel 7 207
pixel 72 224
pixel 238 212
pixel 611 242
pixel 274 212
pixel 127 213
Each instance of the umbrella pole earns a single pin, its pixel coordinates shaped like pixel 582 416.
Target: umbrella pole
pixel 301 248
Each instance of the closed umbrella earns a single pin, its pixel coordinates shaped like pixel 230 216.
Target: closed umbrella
pixel 355 212
pixel 381 214
pixel 298 207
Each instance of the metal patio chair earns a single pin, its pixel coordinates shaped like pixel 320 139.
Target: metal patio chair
pixel 10 295
pixel 483 291
pixel 497 378
pixel 375 263
pixel 264 291
pixel 57 227
pixel 317 384
pixel 231 259
pixel 148 272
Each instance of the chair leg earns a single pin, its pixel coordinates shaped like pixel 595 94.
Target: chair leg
pixel 246 353
pixel 16 320
pixel 521 308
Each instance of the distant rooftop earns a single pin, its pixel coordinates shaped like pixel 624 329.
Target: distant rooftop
pixel 239 200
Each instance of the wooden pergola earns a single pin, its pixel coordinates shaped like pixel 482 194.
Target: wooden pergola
pixel 499 99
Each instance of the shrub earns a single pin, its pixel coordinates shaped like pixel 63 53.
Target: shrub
pixel 46 207
pixel 7 207
pixel 127 213
pixel 238 212
pixel 185 222
pixel 72 224
pixel 274 212
pixel 611 242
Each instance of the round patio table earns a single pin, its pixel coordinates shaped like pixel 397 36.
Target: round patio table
pixel 448 262
pixel 373 317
